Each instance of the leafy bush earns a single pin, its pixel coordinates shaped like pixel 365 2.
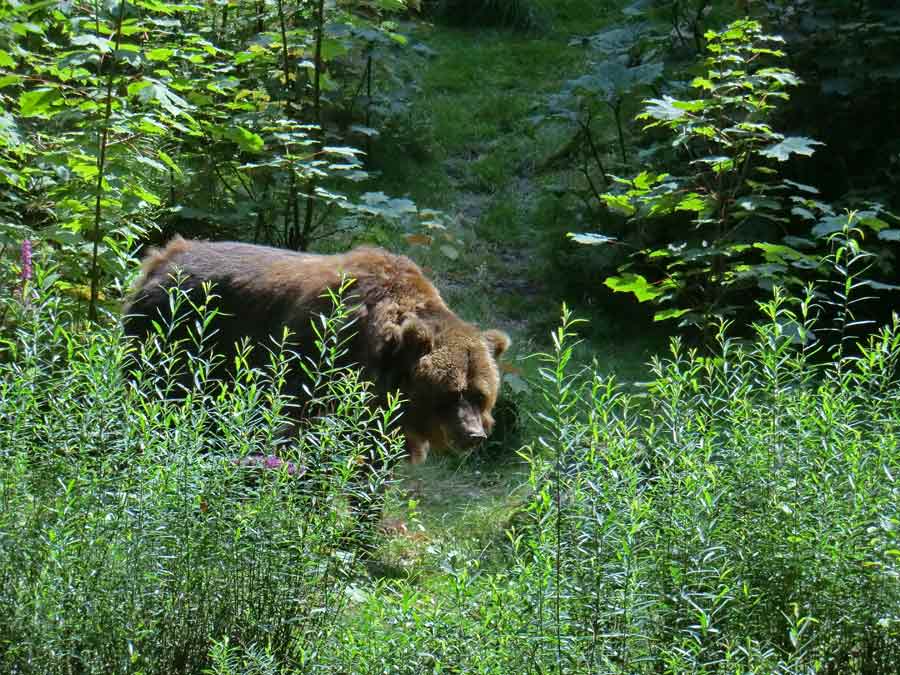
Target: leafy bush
pixel 749 228
pixel 729 192
pixel 120 119
pixel 736 514
pixel 740 515
pixel 140 524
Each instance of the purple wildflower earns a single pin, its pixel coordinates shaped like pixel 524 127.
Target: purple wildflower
pixel 26 260
pixel 270 462
pixel 273 462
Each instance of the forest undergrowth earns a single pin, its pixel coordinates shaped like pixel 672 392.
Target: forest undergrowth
pixel 736 515
pixel 639 509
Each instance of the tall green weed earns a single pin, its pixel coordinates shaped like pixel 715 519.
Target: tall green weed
pixel 738 513
pixel 142 524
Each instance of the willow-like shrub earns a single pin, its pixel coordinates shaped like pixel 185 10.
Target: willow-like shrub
pixel 738 513
pixel 145 517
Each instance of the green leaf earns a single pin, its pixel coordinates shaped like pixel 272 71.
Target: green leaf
pixel 615 78
pixel 663 109
pixel 619 203
pixel 152 163
pixel 103 45
pixel 144 195
pixel 830 225
pixel 806 214
pixel 379 204
pixel 691 202
pixel 9 131
pixel 756 202
pixel 8 80
pixel 364 130
pixel 87 171
pixel 151 90
pixel 801 186
pixel 135 87
pixel 889 235
pixel 591 239
pixel 667 314
pixel 332 49
pixel 342 151
pixel 246 139
pixel 879 286
pixel 169 162
pixel 151 126
pixel 792 145
pixel 6 61
pixel 38 102
pixel 398 38
pixel 24 28
pixel 646 180
pixel 799 242
pixel 718 163
pixel 870 220
pixel 160 54
pixel 781 75
pixel 634 283
pixel 779 252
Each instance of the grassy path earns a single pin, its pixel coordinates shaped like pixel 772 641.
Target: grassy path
pixel 478 161
pixel 478 154
pixel 477 97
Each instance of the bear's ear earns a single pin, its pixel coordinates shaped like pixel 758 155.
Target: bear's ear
pixel 497 341
pixel 415 339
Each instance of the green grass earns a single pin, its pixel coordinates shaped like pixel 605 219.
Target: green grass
pixel 477 102
pixel 477 95
pixel 452 506
pixel 483 85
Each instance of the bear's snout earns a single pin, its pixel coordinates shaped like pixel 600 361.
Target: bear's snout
pixel 470 429
pixel 473 437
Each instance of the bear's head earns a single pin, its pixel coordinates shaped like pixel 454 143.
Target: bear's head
pixel 452 383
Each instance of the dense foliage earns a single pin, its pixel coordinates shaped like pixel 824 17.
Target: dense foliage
pixel 121 119
pixel 735 511
pixel 748 182
pixel 140 522
pixel 731 188
pixel 738 515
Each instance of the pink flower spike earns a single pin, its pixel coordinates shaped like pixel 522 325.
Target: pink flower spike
pixel 26 260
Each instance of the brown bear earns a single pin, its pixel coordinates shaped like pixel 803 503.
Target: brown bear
pixel 406 338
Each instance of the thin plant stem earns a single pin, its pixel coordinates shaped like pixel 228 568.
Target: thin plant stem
pixel 101 161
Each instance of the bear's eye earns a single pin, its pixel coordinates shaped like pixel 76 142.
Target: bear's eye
pixel 450 399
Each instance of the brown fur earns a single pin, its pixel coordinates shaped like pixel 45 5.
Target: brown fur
pixel 407 338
